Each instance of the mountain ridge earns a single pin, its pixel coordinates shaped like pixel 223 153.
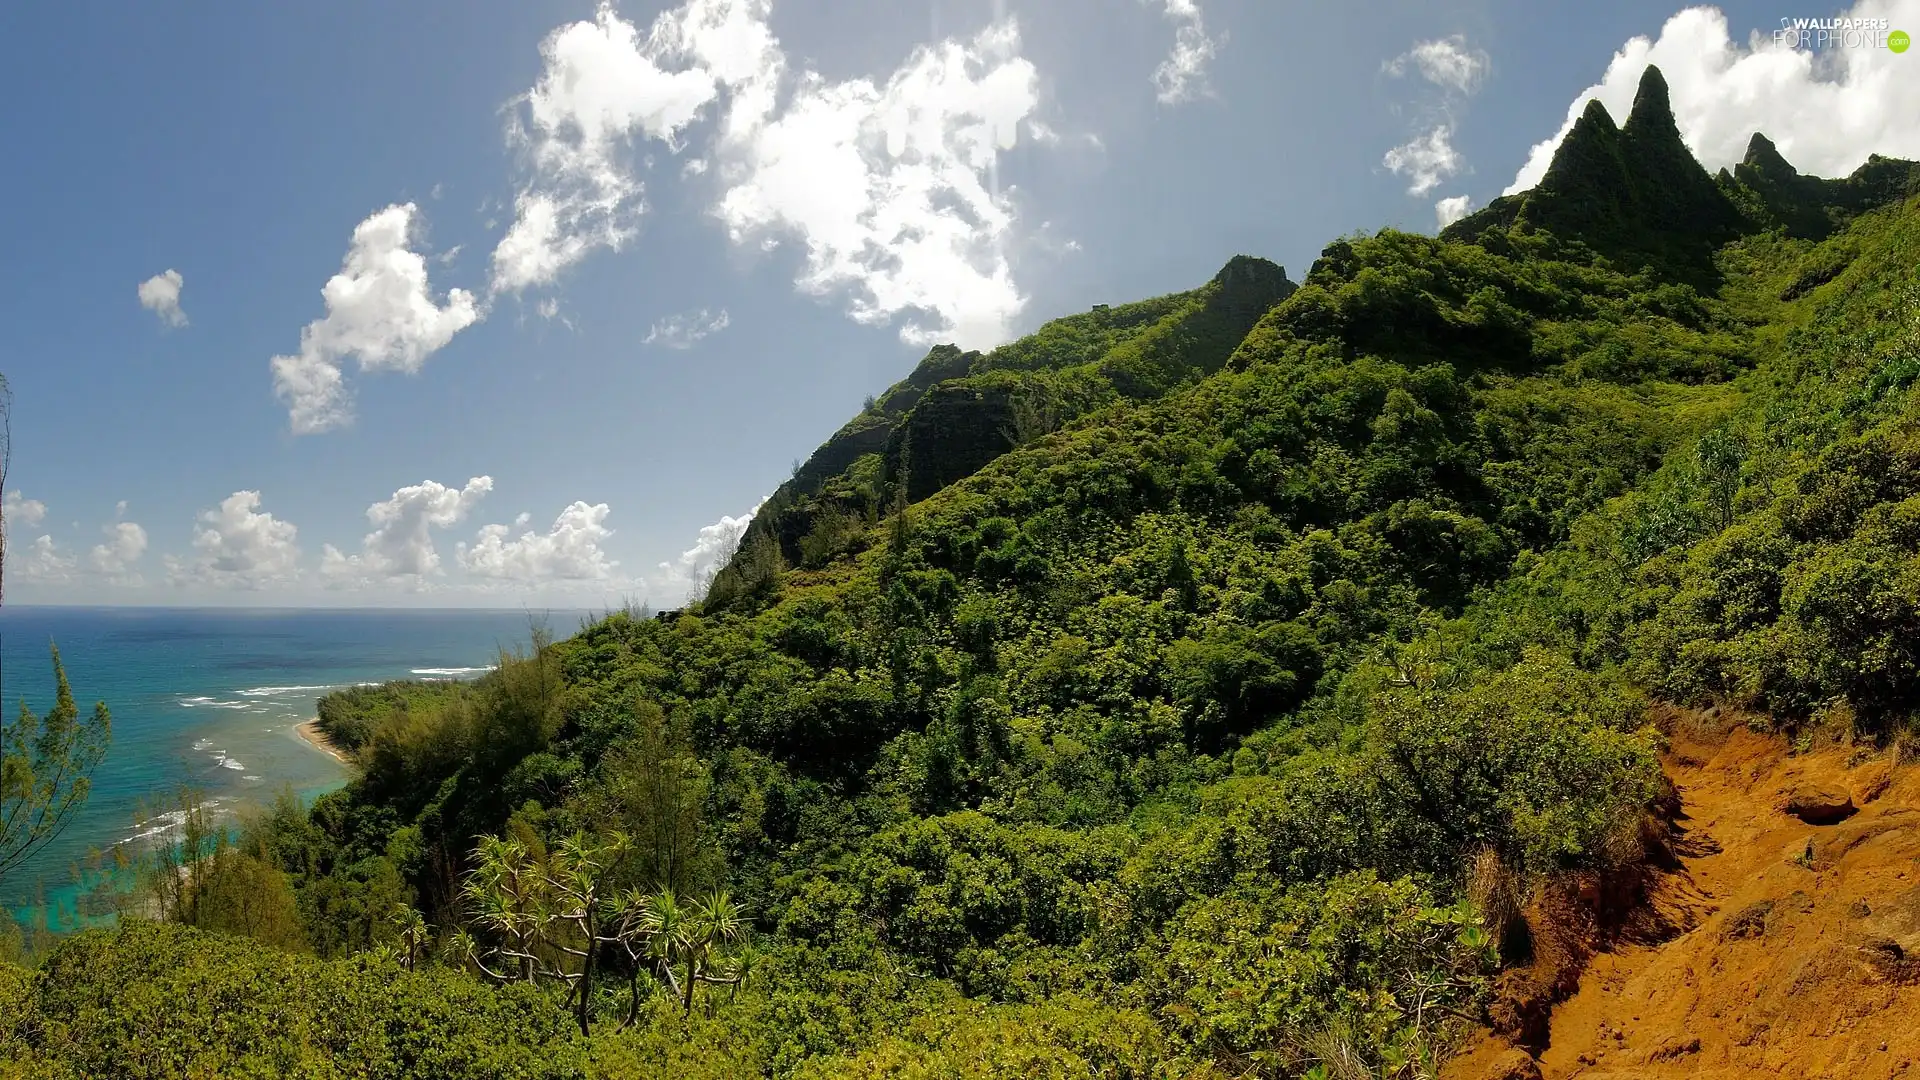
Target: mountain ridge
pixel 1637 195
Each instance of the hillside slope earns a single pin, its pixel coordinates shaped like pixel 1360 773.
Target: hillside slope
pixel 1196 689
pixel 958 411
pixel 1799 888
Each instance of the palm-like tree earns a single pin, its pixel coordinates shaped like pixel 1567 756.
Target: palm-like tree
pixel 413 936
pixel 508 896
pixel 555 917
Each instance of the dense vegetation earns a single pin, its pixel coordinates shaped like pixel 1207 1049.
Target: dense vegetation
pixel 1192 689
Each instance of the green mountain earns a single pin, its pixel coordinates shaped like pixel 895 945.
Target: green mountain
pixel 1637 196
pixel 1216 686
pixel 959 411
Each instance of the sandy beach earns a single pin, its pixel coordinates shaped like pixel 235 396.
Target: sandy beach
pixel 309 730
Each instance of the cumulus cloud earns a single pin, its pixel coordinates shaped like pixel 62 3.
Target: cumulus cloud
pixel 43 564
pixel 601 84
pixel 1182 76
pixel 890 187
pixel 887 187
pixel 1452 209
pixel 1449 63
pixel 1455 69
pixel 126 543
pixel 401 543
pixel 380 312
pixel 1425 161
pixel 1826 111
pixel 683 330
pixel 160 294
pixel 22 511
pixel 569 551
pixel 238 545
pixel 688 575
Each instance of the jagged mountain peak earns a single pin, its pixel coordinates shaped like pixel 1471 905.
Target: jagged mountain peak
pixel 1632 193
pixel 1244 268
pixel 1765 158
pixel 1652 111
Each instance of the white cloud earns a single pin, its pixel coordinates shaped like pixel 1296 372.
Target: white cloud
pixel 1825 112
pixel 891 188
pixel 380 312
pixel 683 330
pixel 160 294
pixel 1182 76
pixel 732 41
pixel 569 551
pixel 126 543
pixel 1449 63
pixel 43 564
pixel 601 84
pixel 237 545
pixel 401 543
pixel 20 510
pixel 1452 209
pixel 1456 69
pixel 1425 161
pixel 688 575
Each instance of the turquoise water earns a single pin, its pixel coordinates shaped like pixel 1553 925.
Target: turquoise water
pixel 210 697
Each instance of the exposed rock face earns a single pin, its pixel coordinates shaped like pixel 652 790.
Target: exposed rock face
pixel 955 431
pixel 1818 805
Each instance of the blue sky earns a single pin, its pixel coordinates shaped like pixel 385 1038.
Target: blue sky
pixel 521 302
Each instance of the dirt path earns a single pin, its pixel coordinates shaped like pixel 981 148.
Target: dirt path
pixel 1804 957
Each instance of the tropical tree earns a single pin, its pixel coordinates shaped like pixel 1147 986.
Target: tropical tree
pixel 689 941
pixel 46 770
pixel 557 919
pixel 46 765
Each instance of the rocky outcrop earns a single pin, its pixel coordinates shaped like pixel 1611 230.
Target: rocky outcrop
pixel 1636 194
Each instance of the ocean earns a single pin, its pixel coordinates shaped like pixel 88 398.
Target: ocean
pixel 209 698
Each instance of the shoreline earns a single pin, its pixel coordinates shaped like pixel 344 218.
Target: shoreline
pixel 309 732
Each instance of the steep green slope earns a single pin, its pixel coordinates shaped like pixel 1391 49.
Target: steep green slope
pixel 960 410
pixel 1214 724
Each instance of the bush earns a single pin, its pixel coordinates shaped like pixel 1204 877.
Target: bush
pixel 150 1000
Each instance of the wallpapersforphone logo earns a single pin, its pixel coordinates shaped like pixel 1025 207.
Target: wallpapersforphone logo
pixel 1841 34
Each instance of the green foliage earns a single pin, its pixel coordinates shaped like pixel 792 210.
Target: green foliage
pixel 161 1001
pixel 1270 977
pixel 1541 763
pixel 350 717
pixel 960 411
pixel 1139 698
pixel 1068 1038
pixel 203 879
pixel 46 768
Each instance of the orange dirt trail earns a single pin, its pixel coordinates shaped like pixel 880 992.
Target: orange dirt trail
pixel 1796 965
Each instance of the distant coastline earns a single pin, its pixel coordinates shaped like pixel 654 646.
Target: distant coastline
pixel 309 731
